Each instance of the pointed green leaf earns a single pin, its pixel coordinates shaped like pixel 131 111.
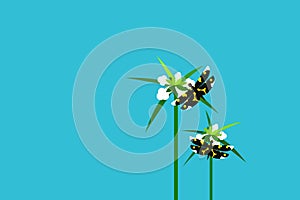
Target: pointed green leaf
pixel 155 112
pixel 208 118
pixel 180 87
pixel 188 75
pixel 226 127
pixel 215 138
pixel 203 100
pixel 173 90
pixel 195 131
pixel 167 70
pixel 207 138
pixel 233 150
pixel 189 158
pixel 150 80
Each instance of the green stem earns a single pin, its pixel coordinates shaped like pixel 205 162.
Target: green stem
pixel 210 178
pixel 175 152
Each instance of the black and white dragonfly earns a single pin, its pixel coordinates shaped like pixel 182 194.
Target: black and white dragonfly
pixel 195 93
pixel 212 149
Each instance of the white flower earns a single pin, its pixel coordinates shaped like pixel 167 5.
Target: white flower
pixel 162 94
pixel 162 80
pixel 214 128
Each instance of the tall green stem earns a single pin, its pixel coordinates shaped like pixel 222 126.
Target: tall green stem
pixel 175 152
pixel 210 178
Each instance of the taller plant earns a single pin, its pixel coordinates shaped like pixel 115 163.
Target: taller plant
pixel 180 87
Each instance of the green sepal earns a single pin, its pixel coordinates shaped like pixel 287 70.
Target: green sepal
pixel 203 100
pixel 149 80
pixel 167 70
pixel 189 158
pixel 155 112
pixel 233 150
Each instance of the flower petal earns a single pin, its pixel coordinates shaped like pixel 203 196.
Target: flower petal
pixel 177 76
pixel 200 136
pixel 173 103
pixel 162 94
pixel 215 127
pixel 223 136
pixel 162 80
pixel 215 143
pixel 189 81
pixel 207 68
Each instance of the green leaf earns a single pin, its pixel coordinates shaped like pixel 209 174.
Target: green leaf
pixel 207 138
pixel 173 90
pixel 208 118
pixel 203 100
pixel 155 112
pixel 189 158
pixel 226 127
pixel 167 70
pixel 215 138
pixel 180 87
pixel 233 150
pixel 195 131
pixel 150 80
pixel 188 75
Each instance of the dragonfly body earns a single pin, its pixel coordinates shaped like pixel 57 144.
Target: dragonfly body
pixel 196 92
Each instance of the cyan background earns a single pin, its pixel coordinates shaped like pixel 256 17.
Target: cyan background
pixel 254 43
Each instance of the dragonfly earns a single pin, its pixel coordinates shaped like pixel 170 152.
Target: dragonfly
pixel 195 93
pixel 212 149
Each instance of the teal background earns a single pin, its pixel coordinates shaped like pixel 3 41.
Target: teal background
pixel 255 45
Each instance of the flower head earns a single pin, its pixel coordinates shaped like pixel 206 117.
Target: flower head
pixel 178 85
pixel 212 133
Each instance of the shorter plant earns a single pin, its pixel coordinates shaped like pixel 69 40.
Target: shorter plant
pixel 211 143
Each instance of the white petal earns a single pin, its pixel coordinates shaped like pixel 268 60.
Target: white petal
pixel 215 143
pixel 177 76
pixel 173 103
pixel 162 94
pixel 189 107
pixel 162 80
pixel 223 136
pixel 191 138
pixel 222 157
pixel 188 80
pixel 200 136
pixel 207 68
pixel 215 127
pixel 231 147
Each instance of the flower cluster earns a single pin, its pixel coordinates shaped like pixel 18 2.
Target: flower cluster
pixel 178 83
pixel 212 133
